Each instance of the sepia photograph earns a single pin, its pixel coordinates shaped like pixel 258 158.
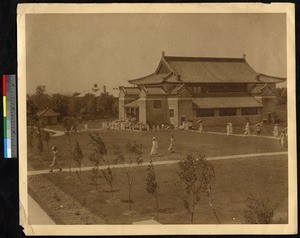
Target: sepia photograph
pixel 157 119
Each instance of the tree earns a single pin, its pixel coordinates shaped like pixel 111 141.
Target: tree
pixel 281 94
pixel 77 157
pixel 40 99
pixel 40 146
pixel 98 154
pixel 60 103
pixel 74 106
pixel 47 136
pixel 151 184
pixel 258 211
pixel 197 175
pixel 68 123
pixel 40 90
pixel 133 154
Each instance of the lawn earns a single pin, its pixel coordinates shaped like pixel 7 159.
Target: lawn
pixel 185 142
pixel 265 177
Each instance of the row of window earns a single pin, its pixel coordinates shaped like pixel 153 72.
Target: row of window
pixel 209 112
pixel 223 112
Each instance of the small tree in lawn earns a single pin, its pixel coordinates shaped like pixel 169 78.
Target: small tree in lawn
pixel 197 175
pixel 258 210
pixel 67 123
pixel 133 154
pixel 99 152
pixel 77 157
pixel 40 145
pixel 151 184
pixel 47 137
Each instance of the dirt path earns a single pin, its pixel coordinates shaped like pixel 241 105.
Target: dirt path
pixel 167 162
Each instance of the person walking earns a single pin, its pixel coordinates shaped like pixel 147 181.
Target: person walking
pixel 157 128
pixel 154 146
pixel 228 129
pixel 86 126
pixel 55 160
pixel 276 130
pixel 283 138
pixel 258 128
pixel 171 147
pixel 247 129
pixel 200 125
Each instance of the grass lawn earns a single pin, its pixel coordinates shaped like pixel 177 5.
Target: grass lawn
pixel 235 179
pixel 185 142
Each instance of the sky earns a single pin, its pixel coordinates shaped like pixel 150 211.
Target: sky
pixel 71 52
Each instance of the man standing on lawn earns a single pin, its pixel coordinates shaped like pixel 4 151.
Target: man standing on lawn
pixel 171 147
pixel 55 159
pixel 154 146
pixel 247 129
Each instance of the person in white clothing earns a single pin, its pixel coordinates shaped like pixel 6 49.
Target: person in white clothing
pixel 154 146
pixel 247 129
pixel 55 159
pixel 276 130
pixel 228 129
pixel 171 147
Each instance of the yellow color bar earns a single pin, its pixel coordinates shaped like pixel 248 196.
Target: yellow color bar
pixel 4 106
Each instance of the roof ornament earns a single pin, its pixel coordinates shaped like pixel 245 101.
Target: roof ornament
pixel 163 54
pixel 244 56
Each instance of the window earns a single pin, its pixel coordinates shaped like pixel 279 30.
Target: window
pixel 205 112
pixel 250 111
pixel 227 112
pixel 230 87
pixel 171 113
pixel 157 104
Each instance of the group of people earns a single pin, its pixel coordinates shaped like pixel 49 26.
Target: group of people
pixel 154 147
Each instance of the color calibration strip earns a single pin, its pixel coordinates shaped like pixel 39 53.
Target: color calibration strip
pixel 9 116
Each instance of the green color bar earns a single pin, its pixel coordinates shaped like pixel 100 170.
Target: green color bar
pixel 4 128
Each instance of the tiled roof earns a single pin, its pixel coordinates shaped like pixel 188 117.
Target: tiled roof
pixel 134 103
pixel 226 102
pixel 258 89
pixel 154 90
pixel 270 79
pixel 131 90
pixel 150 79
pixel 175 89
pixel 48 112
pixel 212 70
pixel 205 70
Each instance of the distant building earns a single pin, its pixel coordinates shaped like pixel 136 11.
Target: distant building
pixel 215 90
pixel 94 91
pixel 48 116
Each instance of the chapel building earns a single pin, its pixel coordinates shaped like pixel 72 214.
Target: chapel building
pixel 215 90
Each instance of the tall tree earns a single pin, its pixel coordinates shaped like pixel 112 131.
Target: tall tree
pixel 131 158
pixel 197 175
pixel 151 184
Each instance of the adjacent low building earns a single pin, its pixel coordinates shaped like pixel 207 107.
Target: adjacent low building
pixel 215 90
pixel 48 116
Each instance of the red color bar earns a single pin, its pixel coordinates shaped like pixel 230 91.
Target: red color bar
pixel 4 85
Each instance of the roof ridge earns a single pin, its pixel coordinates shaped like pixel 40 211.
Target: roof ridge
pixel 203 58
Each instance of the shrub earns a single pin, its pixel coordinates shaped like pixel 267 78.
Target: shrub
pixel 258 211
